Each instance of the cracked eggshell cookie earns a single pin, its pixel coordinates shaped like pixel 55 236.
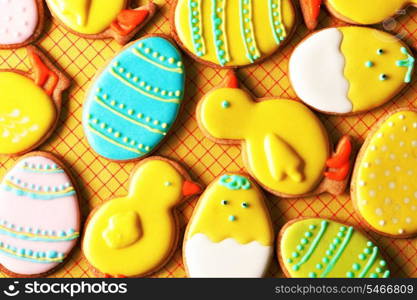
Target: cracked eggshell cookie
pixel 384 190
pixel 101 19
pixel 26 122
pixel 21 22
pixel 347 70
pixel 134 101
pixel 320 248
pixel 367 12
pixel 285 146
pixel 230 233
pixel 136 234
pixel 39 216
pixel 232 33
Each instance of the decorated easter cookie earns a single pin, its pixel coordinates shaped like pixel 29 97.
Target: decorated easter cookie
pixel 230 233
pixel 98 19
pixel 320 248
pixel 384 191
pixel 39 216
pixel 232 33
pixel 285 146
pixel 369 11
pixel 347 70
pixel 135 100
pixel 21 22
pixel 136 235
pixel 30 104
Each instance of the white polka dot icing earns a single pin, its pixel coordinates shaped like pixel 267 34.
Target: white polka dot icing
pixel 18 20
pixel 385 190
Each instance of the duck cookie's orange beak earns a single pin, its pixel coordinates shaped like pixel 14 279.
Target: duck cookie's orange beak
pixel 190 188
pixel 311 12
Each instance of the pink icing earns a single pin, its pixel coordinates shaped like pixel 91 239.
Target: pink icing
pixel 61 214
pixel 18 20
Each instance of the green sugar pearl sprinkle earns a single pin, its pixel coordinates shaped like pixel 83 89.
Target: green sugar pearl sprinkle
pixel 225 104
pixel 232 218
pixel 369 64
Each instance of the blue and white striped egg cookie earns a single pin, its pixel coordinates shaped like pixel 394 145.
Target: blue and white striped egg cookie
pixel 39 215
pixel 134 102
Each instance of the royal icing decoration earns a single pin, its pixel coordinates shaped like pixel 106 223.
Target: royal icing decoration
pixel 39 216
pixel 319 248
pixel 369 11
pixel 384 189
pixel 270 131
pixel 134 235
pixel 350 69
pixel 233 32
pixel 133 104
pixel 230 233
pixel 18 21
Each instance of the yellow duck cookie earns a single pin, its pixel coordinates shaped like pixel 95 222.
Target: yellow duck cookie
pixel 29 104
pixel 384 190
pixel 102 19
pixel 230 233
pixel 285 146
pixel 136 234
pixel 351 69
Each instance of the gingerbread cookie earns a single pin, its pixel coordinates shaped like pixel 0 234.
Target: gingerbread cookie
pixel 320 248
pixel 230 233
pixel 39 216
pixel 285 146
pixel 21 22
pixel 135 235
pixel 347 70
pixel 383 186
pixel 135 100
pixel 97 19
pixel 26 122
pixel 369 11
pixel 232 33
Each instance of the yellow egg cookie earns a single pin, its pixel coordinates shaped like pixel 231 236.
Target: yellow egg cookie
pixel 232 33
pixel 29 104
pixel 384 191
pixel 136 234
pixel 285 146
pixel 320 248
pixel 351 69
pixel 230 233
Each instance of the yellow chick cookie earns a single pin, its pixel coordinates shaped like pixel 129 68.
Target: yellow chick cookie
pixel 285 146
pixel 29 104
pixel 136 234
pixel 230 233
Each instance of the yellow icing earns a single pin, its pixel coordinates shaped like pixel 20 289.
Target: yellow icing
pixel 87 16
pixel 366 89
pixel 285 144
pixel 385 189
pixel 318 262
pixel 264 36
pixel 143 220
pixel 211 217
pixel 27 113
pixel 367 11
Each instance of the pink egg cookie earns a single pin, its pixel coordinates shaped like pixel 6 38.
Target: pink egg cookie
pixel 39 216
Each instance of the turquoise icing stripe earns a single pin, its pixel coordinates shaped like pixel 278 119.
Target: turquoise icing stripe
pixel 157 116
pixel 317 239
pixel 57 171
pixel 32 256
pixel 34 195
pixel 370 262
pixel 24 236
pixel 339 253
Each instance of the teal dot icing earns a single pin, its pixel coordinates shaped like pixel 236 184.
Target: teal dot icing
pixel 325 260
pixel 374 275
pixel 232 218
pixel 362 256
pixel 312 275
pixel 382 263
pixel 218 28
pixel 312 227
pixel 378 270
pixel 329 252
pixel 319 266
pixel 300 247
pixel 304 241
pixel 350 274
pixel 295 254
pixel 225 104
pixel 356 266
pixel 336 241
pixel 235 182
pixel 342 229
pixel 308 234
pixel 369 64
pixel 367 251
pixel 332 247
pixel 296 268
pixel 369 244
pixel 340 234
pixel 289 260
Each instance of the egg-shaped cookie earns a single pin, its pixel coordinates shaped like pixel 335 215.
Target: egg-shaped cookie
pixel 384 189
pixel 39 216
pixel 233 33
pixel 134 101
pixel 230 233
pixel 320 248
pixel 347 70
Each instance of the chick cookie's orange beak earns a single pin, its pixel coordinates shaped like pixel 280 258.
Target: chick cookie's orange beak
pixel 190 188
